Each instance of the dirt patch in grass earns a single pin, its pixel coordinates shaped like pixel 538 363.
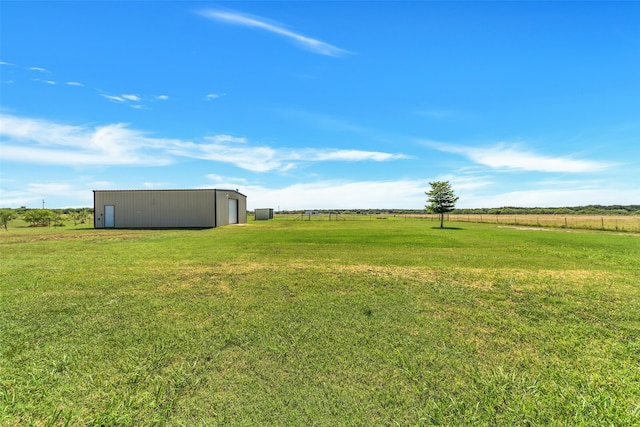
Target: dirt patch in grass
pixel 513 227
pixel 66 235
pixel 33 238
pixel 477 278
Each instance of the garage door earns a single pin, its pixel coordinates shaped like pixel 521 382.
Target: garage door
pixel 233 211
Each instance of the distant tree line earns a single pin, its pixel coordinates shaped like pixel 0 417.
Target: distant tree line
pixel 66 211
pixel 45 217
pixel 507 210
pixel 575 210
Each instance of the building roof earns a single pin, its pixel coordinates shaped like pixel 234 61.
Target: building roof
pixel 173 189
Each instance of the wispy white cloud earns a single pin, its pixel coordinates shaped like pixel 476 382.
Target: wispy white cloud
pixel 125 98
pixel 228 149
pixel 478 189
pixel 49 187
pixel 511 156
pixel 131 100
pixel 41 141
pixel 339 194
pixel 113 98
pixel 49 82
pixel 410 194
pixel 65 194
pixel 211 96
pixel 350 155
pixel 224 181
pixel 132 97
pixel 219 178
pixel 467 183
pixel 308 43
pixel 261 158
pixel 17 196
pixel 552 197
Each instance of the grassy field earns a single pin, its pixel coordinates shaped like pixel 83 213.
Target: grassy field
pixel 320 323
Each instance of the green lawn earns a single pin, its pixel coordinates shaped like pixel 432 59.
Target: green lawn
pixel 388 322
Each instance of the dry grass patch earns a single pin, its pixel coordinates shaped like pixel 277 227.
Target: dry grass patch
pixel 188 274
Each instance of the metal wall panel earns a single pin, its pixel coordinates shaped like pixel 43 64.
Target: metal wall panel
pixel 167 208
pixel 222 207
pixel 157 208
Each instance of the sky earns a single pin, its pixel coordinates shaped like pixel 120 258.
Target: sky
pixel 321 105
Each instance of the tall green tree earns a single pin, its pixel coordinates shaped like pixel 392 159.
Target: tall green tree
pixel 441 199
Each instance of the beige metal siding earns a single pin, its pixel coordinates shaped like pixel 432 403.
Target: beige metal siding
pixel 222 206
pixel 242 208
pixel 157 208
pixel 168 208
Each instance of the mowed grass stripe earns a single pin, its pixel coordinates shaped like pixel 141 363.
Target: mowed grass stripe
pixel 282 323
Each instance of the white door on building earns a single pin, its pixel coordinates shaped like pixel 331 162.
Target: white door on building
pixel 233 211
pixel 109 216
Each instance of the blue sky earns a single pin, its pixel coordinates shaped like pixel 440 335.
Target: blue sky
pixel 307 105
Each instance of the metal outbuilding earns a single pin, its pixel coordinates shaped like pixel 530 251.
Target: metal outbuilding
pixel 263 213
pixel 201 208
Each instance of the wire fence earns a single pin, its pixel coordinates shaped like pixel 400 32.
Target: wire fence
pixel 590 222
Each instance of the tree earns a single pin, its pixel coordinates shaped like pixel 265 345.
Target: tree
pixel 441 199
pixel 6 215
pixel 38 217
pixel 80 216
pixel 58 219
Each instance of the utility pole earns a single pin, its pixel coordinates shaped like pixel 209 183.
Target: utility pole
pixel 42 203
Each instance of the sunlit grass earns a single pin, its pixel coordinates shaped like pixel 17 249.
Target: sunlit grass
pixel 325 323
